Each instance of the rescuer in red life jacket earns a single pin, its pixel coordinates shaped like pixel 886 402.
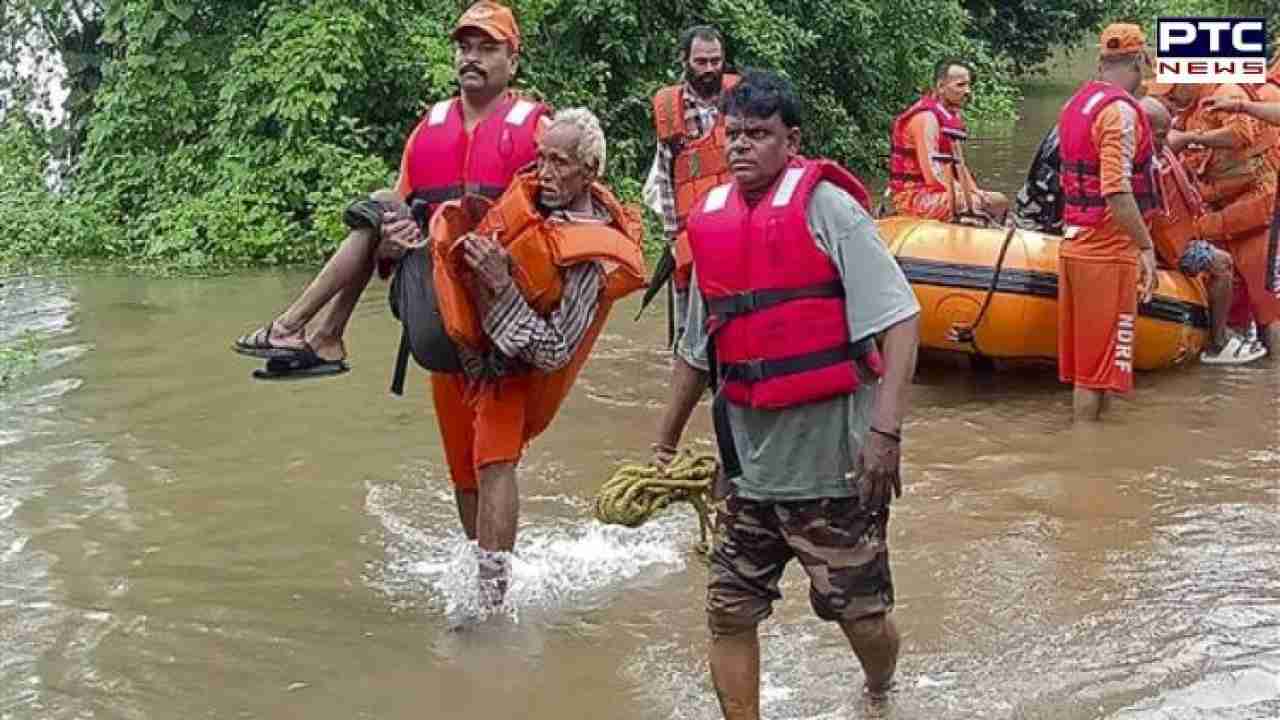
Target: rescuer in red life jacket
pixel 928 175
pixel 810 330
pixel 472 145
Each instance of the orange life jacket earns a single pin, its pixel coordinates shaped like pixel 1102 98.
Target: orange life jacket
pixel 698 165
pixel 1174 227
pixel 905 172
pixel 1225 174
pixel 540 250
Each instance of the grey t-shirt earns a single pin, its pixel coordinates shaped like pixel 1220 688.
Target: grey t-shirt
pixel 811 451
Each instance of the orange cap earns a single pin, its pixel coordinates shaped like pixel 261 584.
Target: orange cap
pixel 493 19
pixel 1121 39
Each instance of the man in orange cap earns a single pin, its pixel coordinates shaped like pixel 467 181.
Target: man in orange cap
pixel 1107 259
pixel 1233 159
pixel 471 144
pixel 928 175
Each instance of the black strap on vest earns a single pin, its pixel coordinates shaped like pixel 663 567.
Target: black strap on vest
pixel 402 365
pixel 730 464
pixel 755 371
pixel 729 306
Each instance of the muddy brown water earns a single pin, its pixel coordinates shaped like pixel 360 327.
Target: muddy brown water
pixel 178 541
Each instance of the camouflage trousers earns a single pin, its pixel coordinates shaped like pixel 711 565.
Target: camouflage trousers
pixel 842 547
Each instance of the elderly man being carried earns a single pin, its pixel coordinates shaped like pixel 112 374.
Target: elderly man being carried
pixel 522 296
pixel 928 175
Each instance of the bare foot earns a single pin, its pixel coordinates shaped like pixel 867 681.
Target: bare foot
pixel 328 347
pixel 270 341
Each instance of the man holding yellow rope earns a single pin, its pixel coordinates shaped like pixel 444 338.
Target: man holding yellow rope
pixel 794 285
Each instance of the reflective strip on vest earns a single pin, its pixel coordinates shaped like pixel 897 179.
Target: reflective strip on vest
pixel 787 187
pixel 439 113
pixel 716 198
pixel 520 112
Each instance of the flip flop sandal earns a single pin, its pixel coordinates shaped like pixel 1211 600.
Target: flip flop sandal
pixel 258 344
pixel 1238 351
pixel 300 366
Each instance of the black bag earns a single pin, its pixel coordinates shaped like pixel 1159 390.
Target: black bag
pixel 412 296
pixel 413 303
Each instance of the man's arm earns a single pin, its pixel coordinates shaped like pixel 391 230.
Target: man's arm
pixel 898 348
pixel 1268 112
pixel 549 343
pixel 1224 138
pixel 689 378
pixel 1115 133
pixel 924 131
pixel 688 383
pixel 664 190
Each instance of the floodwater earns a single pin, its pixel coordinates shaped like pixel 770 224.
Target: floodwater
pixel 179 541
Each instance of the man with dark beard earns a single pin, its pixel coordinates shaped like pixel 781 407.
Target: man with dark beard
pixel 690 154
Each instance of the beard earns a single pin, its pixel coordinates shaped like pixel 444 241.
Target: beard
pixel 708 84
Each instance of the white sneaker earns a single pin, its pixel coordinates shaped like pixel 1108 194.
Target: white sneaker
pixel 1237 351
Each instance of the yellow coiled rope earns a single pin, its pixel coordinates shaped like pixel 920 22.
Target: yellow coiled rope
pixel 636 492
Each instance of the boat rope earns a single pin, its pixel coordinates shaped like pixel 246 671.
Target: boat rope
pixel 636 493
pixel 969 333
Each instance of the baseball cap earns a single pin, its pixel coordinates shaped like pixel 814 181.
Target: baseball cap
pixel 1121 39
pixel 493 19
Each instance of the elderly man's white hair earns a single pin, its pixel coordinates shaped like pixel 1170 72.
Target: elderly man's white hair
pixel 591 145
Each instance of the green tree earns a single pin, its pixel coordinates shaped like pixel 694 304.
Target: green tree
pixel 1028 31
pixel 237 130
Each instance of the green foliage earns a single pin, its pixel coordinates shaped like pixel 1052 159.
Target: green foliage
pixel 236 131
pixel 1028 31
pixel 1145 12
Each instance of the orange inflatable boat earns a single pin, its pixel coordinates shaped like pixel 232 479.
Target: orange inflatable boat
pixel 951 268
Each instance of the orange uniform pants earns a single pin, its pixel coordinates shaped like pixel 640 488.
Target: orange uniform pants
pixel 486 429
pixel 1242 228
pixel 1097 322
pixel 929 204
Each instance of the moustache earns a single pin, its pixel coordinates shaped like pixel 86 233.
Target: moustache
pixel 471 67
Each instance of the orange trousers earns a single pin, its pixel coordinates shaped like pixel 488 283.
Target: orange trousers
pixel 1097 320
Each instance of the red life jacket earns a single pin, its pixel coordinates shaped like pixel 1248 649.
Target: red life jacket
pixel 697 165
pixel 905 172
pixel 1083 203
pixel 775 301
pixel 445 162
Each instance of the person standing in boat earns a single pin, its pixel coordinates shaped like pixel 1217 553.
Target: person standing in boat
pixel 928 175
pixel 794 284
pixel 471 144
pixel 1106 261
pixel 1180 247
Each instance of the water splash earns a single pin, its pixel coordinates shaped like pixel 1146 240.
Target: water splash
pixel 561 563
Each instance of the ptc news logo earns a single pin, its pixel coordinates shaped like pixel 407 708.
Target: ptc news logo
pixel 1211 50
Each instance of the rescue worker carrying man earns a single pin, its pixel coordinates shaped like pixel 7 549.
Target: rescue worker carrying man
pixel 1179 246
pixel 523 297
pixel 1109 187
pixel 794 286
pixel 470 144
pixel 928 175
pixel 1231 159
pixel 689 159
